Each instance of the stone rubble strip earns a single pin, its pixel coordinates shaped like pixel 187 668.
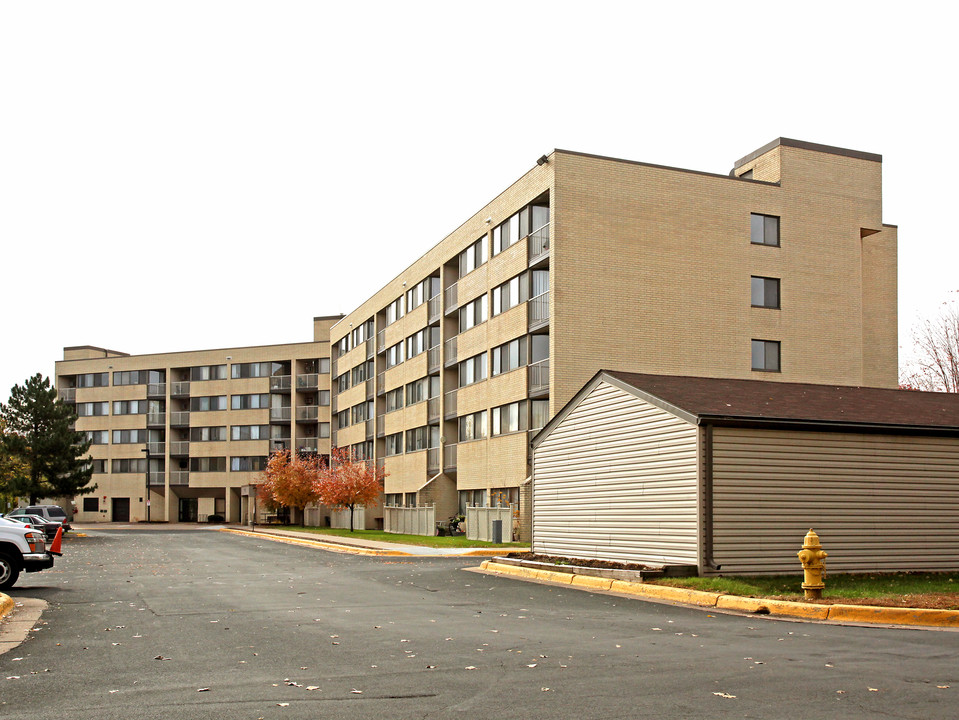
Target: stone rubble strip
pixel 833 613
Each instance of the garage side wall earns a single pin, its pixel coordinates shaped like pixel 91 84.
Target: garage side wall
pixel 616 480
pixel 878 502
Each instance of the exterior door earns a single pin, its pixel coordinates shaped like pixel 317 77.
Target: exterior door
pixel 120 509
pixel 188 510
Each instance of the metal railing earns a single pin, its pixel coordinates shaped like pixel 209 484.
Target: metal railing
pixel 370 429
pixel 449 457
pixel 435 308
pixel 381 426
pixel 370 348
pixel 432 461
pixel 381 341
pixel 180 418
pixel 449 348
pixel 180 389
pixel 280 414
pixel 179 477
pixel 156 418
pixel 370 389
pixel 156 448
pixel 538 244
pixel 539 377
pixel 432 409
pixel 449 405
pixel 381 383
pixel 307 444
pixel 450 298
pixel 539 310
pixel 156 389
pixel 180 447
pixel 68 395
pixel 308 413
pixel 156 477
pixel 307 381
pixel 434 359
pixel 279 383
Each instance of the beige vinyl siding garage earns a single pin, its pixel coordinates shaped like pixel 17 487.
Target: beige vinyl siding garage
pixel 877 501
pixel 616 479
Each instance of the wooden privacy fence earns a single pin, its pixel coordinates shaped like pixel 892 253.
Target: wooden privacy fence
pixel 410 520
pixel 479 523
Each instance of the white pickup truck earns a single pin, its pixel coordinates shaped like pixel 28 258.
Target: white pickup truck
pixel 23 549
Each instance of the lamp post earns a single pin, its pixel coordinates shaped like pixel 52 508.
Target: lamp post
pixel 147 479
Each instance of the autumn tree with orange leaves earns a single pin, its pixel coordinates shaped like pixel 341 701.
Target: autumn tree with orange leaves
pixel 290 480
pixel 347 482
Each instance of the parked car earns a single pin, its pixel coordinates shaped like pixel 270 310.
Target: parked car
pixel 49 527
pixel 47 512
pixel 22 549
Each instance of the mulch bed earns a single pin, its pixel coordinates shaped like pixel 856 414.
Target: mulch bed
pixel 577 562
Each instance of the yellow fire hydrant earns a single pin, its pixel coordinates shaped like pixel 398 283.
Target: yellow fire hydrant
pixel 813 559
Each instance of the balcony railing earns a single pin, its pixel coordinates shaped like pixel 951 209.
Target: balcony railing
pixel 156 448
pixel 539 311
pixel 381 341
pixel 381 384
pixel 539 377
pixel 180 389
pixel 280 383
pixel 179 477
pixel 432 461
pixel 381 426
pixel 180 418
pixel 539 244
pixel 308 413
pixel 281 443
pixel 434 359
pixel 370 348
pixel 179 448
pixel 156 418
pixel 450 351
pixel 450 298
pixel 370 389
pixel 307 444
pixel 68 395
pixel 435 308
pixel 449 405
pixel 155 390
pixel 432 409
pixel 156 477
pixel 370 429
pixel 449 458
pixel 309 381
pixel 280 414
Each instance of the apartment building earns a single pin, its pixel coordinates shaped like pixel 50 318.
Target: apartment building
pixel 182 436
pixel 781 270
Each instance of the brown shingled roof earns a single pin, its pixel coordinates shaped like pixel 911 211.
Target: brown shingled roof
pixel 800 403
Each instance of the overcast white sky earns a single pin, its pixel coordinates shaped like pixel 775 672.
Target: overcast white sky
pixel 268 145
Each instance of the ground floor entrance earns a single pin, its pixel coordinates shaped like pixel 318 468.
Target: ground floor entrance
pixel 188 510
pixel 120 509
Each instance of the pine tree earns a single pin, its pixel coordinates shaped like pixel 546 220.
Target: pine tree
pixel 39 432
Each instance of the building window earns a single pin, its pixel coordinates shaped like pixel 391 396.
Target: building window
pixel 343 419
pixel 90 409
pixel 343 382
pixel 138 465
pixel 509 356
pixel 766 355
pixel 538 414
pixel 394 355
pixel 130 377
pixel 394 399
pixel 123 437
pixel 362 412
pixel 394 444
pixel 472 426
pixel 363 450
pixel 418 439
pixel 362 333
pixel 208 464
pixel 323 430
pixel 471 498
pixel 206 372
pixel 764 229
pixel 323 366
pixel 249 432
pixel 473 256
pixel 472 370
pixel 255 401
pixel 98 437
pixel 249 463
pixel 208 434
pixel 253 370
pixel 473 313
pixel 98 466
pixel 343 345
pixel 363 372
pixel 510 294
pixel 509 418
pixel 91 504
pixel 765 292
pixel 421 341
pixel 129 407
pixel 89 380
pixel 395 310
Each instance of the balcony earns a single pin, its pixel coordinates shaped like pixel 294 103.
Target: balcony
pixel 307 413
pixel 539 378
pixel 432 461
pixel 309 381
pixel 450 351
pixel 381 384
pixel 156 477
pixel 370 429
pixel 370 389
pixel 432 410
pixel 450 299
pixel 180 418
pixel 281 414
pixel 381 426
pixel 370 348
pixel 435 309
pixel 179 448
pixel 539 311
pixel 449 458
pixel 180 389
pixel 280 443
pixel 68 395
pixel 434 359
pixel 381 341
pixel 281 383
pixel 539 245
pixel 179 477
pixel 308 444
pixel 156 390
pixel 449 405
pixel 156 419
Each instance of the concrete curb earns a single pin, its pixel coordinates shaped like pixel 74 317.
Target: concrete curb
pixel 760 606
pixel 6 605
pixel 331 546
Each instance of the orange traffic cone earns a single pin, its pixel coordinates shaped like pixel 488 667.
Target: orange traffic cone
pixel 57 540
